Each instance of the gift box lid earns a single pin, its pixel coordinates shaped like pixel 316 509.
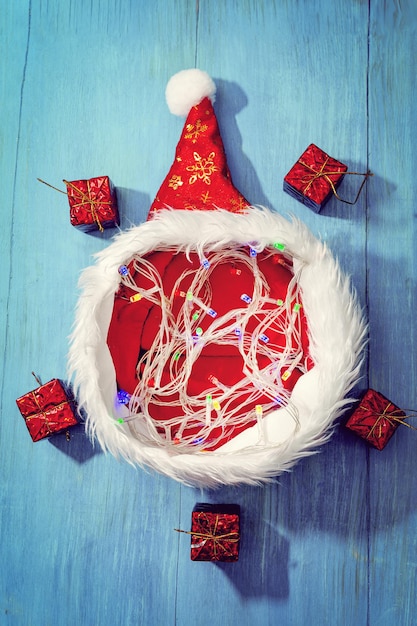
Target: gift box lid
pixel 221 509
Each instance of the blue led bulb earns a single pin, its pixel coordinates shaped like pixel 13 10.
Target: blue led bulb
pixel 123 397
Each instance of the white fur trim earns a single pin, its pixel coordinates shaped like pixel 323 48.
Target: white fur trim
pixel 337 337
pixel 188 88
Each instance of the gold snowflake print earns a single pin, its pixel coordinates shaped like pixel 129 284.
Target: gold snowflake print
pixel 175 182
pixel 203 168
pixel 205 197
pixel 194 131
pixel 238 205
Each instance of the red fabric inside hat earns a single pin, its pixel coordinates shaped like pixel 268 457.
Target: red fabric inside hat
pixel 134 326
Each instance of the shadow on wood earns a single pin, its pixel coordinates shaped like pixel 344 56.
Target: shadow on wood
pixel 232 99
pixel 262 569
pixel 133 206
pixel 76 444
pixel 348 191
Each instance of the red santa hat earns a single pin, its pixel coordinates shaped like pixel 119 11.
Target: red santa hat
pixel 199 178
pixel 231 328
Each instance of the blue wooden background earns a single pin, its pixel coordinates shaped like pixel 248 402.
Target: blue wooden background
pixel 88 540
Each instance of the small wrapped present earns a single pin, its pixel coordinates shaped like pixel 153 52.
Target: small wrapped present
pixel 215 532
pixel 93 204
pixel 48 409
pixel 314 178
pixel 376 419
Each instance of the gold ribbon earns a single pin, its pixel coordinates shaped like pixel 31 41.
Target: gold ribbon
pixel 85 199
pixel 232 537
pixel 321 173
pixel 391 418
pixel 38 380
pixel 43 413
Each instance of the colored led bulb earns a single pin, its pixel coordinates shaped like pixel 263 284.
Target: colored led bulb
pixel 123 397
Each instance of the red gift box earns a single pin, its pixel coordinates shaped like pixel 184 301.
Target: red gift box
pixel 48 409
pixel 314 178
pixel 93 203
pixel 376 419
pixel 215 532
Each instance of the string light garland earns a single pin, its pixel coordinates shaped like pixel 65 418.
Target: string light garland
pixel 200 420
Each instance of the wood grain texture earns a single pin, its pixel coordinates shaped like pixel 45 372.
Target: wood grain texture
pixel 392 263
pixel 86 539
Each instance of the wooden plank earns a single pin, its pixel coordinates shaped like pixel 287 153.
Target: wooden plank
pixel 83 538
pixel 14 36
pixel 290 74
pixel 392 302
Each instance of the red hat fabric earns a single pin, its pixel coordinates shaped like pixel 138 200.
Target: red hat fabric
pixel 199 178
pixel 215 346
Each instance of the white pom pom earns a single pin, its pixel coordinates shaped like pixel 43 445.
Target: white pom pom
pixel 188 88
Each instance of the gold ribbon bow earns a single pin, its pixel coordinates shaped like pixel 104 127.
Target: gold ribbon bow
pixel 321 173
pixel 391 417
pixel 85 199
pixel 218 540
pixel 41 411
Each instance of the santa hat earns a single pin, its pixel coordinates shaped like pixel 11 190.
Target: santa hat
pixel 182 285
pixel 199 177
